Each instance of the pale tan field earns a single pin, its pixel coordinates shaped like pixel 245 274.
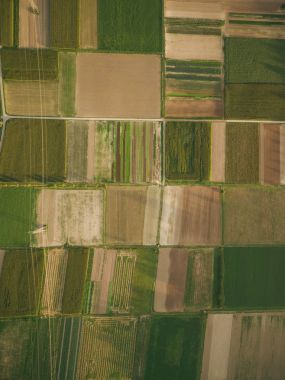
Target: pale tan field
pixel 33 28
pixel 253 5
pixel 170 280
pixel 191 215
pixel 270 154
pixel 218 145
pixel 252 31
pixel 244 347
pixel 31 98
pixel 209 9
pixel 88 24
pixel 132 214
pixel 73 216
pixel 254 216
pixel 191 108
pixel 192 46
pixel 118 85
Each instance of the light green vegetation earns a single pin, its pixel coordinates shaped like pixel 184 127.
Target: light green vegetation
pixel 29 64
pixel 33 150
pixel 175 346
pixel 254 277
pixel 17 216
pixel 64 23
pixel 242 153
pixel 20 281
pixel 6 22
pixel 187 150
pixel 67 73
pixel 130 25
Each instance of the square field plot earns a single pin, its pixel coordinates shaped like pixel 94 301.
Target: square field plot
pixel 254 216
pixel 118 85
pixel 132 215
pixel 253 278
pixel 191 215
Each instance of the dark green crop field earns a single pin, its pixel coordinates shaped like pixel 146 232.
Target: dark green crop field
pixel 130 25
pixel 254 277
pixel 33 150
pixel 187 150
pixel 6 22
pixel 175 348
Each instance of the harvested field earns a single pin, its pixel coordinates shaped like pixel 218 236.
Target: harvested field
pixel 33 27
pixel 117 85
pixel 31 98
pixel 174 347
pixel 244 346
pixel 63 23
pixel 253 278
pixel 253 5
pixel 132 215
pixel 270 154
pixel 200 9
pixel 218 151
pixel 66 84
pixel 73 216
pixel 191 108
pixel 20 282
pixel 33 151
pixel 113 151
pixel 107 347
pixel 187 151
pixel 17 216
pixel 190 46
pixel 254 216
pixel 88 33
pixel 130 25
pixel 242 153
pixel 7 22
pixel 191 215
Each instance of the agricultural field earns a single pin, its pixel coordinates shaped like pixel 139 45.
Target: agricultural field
pixel 191 215
pixel 121 281
pixel 175 347
pixel 138 204
pixel 244 346
pixel 88 24
pixel 118 85
pixel 7 22
pixel 185 279
pixel 253 277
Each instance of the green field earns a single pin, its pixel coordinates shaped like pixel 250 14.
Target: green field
pixel 187 150
pixel 29 64
pixel 64 23
pixel 20 282
pixel 175 348
pixel 254 60
pixel 74 280
pixel 255 101
pixel 130 25
pixel 242 153
pixel 17 216
pixel 33 150
pixel 254 277
pixel 67 79
pixel 6 22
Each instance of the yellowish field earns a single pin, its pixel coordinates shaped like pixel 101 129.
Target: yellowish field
pixel 203 9
pixel 191 108
pixel 218 146
pixel 88 24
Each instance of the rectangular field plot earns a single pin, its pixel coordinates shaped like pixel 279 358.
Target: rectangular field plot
pixel 65 273
pixel 244 346
pixel 88 23
pixel 187 151
pixel 33 151
pixel 132 215
pixel 185 279
pixel 130 25
pixel 175 346
pixel 113 151
pixel 21 273
pixel 118 85
pixel 122 281
pixel 254 216
pixel 191 215
pixel 7 22
pixel 253 277
pixel 69 216
pixel 17 216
